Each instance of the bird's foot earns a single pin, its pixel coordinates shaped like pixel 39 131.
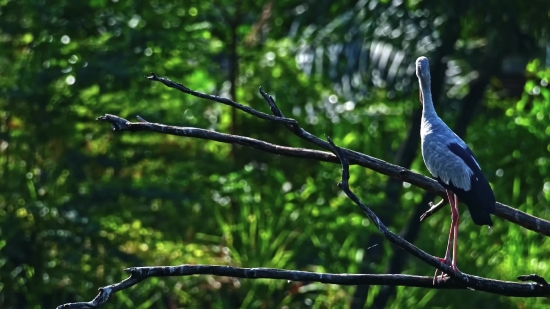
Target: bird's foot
pixel 443 275
pixel 446 260
pixel 440 278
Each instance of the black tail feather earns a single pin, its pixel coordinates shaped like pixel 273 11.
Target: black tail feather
pixel 480 199
pixel 480 216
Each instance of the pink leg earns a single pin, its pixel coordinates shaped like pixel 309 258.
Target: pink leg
pixel 455 241
pixel 447 260
pixel 452 201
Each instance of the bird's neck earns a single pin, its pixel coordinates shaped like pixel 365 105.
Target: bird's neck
pixel 428 110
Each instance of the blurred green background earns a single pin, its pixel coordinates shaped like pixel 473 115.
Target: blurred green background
pixel 79 203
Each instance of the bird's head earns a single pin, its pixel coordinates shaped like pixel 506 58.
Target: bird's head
pixel 423 74
pixel 423 68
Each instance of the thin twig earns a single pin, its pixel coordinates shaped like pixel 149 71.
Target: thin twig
pixel 106 292
pixel 433 209
pixel 218 99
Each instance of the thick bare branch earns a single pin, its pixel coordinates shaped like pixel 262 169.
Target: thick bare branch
pixel 421 181
pixel 503 211
pixel 138 274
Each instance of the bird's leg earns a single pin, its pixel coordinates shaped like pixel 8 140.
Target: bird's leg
pixel 447 258
pixel 455 241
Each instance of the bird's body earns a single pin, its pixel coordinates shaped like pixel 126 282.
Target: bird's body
pixel 453 164
pixel 455 167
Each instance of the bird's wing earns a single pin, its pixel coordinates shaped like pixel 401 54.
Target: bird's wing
pixel 478 196
pixel 466 154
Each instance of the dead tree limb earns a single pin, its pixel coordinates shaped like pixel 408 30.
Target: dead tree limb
pixel 428 184
pixel 138 274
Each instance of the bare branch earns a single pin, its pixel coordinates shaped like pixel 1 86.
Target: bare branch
pixel 138 274
pixel 355 158
pixel 433 209
pixel 218 99
pixel 430 185
pixel 121 124
pixel 106 292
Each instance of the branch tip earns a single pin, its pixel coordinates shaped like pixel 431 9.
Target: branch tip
pixel 433 209
pixel 141 119
pixel 535 278
pixel 117 123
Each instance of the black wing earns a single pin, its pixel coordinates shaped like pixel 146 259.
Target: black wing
pixel 480 199
pixel 466 155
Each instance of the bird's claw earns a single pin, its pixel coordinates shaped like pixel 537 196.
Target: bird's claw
pixel 440 278
pixel 443 275
pixel 446 260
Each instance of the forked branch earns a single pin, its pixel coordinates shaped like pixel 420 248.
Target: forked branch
pixel 119 124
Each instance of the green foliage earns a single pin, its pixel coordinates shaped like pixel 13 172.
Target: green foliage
pixel 79 203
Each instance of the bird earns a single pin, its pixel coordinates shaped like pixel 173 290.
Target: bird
pixel 454 166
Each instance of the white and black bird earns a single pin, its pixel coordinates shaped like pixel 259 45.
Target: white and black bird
pixel 453 164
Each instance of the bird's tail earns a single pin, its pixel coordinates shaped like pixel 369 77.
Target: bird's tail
pixel 480 216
